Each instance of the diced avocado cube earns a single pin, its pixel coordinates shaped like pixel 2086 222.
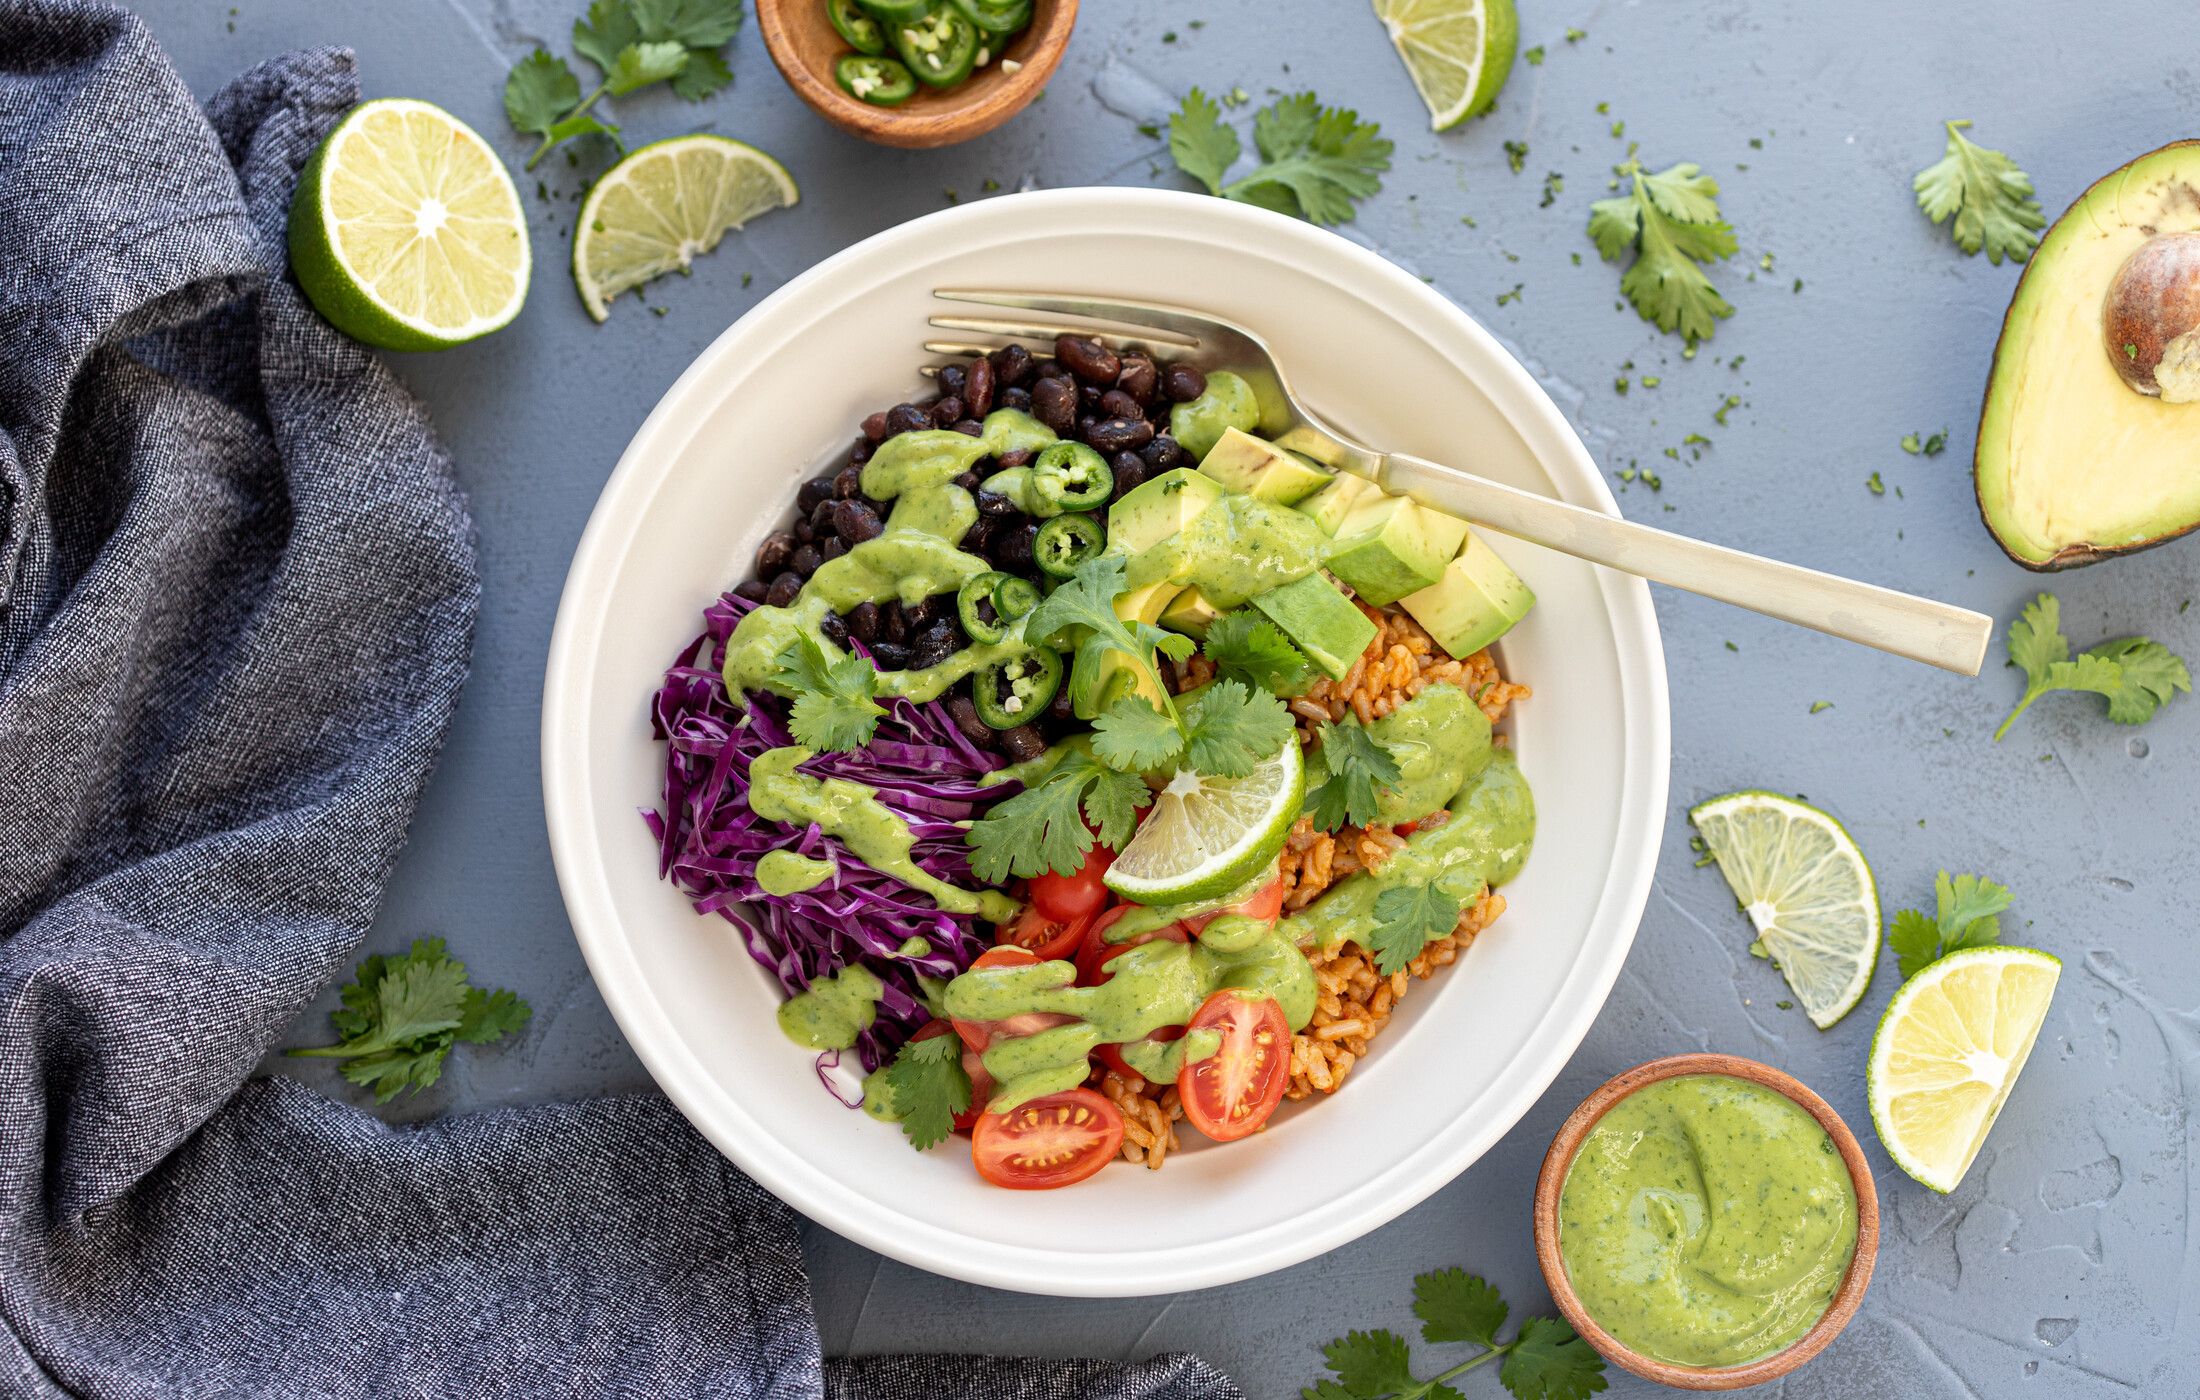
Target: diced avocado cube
pixel 1190 613
pixel 1118 677
pixel 1476 600
pixel 1324 623
pixel 1329 506
pixel 1262 470
pixel 1389 546
pixel 1153 510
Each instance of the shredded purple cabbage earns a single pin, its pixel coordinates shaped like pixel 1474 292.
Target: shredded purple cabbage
pixel 709 841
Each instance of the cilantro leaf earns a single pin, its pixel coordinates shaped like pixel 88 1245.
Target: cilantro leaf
pixel 695 24
pixel 1406 918
pixel 639 65
pixel 1915 941
pixel 1131 736
pixel 1989 196
pixel 1231 729
pixel 1080 613
pixel 1549 1362
pixel 609 27
pixel 2135 675
pixel 1456 1306
pixel 538 91
pixel 401 1015
pixel 706 72
pixel 1044 827
pixel 1316 162
pixel 1671 221
pixel 1358 767
pixel 924 1088
pixel 1246 645
pixel 1967 914
pixel 834 709
pixel 1371 1363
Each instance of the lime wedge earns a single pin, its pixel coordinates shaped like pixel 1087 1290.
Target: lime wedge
pixel 1458 52
pixel 1949 1050
pixel 405 231
pixel 1806 887
pixel 1206 836
pixel 656 210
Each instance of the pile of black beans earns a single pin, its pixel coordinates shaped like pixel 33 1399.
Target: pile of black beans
pixel 1117 403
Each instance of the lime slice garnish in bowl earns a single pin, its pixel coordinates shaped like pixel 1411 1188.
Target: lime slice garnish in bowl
pixel 1206 836
pixel 1806 888
pixel 405 231
pixel 664 205
pixel 1458 52
pixel 1949 1050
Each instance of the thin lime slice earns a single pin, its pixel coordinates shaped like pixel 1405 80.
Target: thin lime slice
pixel 1949 1050
pixel 1458 52
pixel 664 205
pixel 405 230
pixel 1808 890
pixel 1206 836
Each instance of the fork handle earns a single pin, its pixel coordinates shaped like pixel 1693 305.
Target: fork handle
pixel 1951 638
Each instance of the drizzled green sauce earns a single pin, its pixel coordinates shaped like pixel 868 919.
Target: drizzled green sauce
pixel 834 1011
pixel 785 872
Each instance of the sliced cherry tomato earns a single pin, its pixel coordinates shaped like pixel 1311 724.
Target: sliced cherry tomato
pixel 1077 896
pixel 1230 1094
pixel 1264 905
pixel 1042 935
pixel 1058 1140
pixel 1112 1055
pixel 1096 950
pixel 979 1034
pixel 981 1083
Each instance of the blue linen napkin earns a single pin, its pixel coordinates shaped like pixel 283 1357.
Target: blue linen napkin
pixel 237 594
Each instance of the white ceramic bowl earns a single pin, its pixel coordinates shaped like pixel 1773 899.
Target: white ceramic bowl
pixel 774 400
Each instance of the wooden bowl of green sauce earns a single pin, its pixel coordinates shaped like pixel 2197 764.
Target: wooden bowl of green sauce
pixel 1706 1222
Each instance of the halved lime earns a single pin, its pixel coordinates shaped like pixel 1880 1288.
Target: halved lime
pixel 1206 836
pixel 1949 1050
pixel 405 231
pixel 656 210
pixel 1806 887
pixel 1458 52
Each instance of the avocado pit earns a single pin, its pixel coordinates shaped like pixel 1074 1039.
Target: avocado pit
pixel 2150 318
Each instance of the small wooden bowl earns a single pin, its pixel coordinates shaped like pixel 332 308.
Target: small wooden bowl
pixel 805 45
pixel 1560 1158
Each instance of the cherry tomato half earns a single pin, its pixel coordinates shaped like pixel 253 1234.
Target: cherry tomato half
pixel 1230 1094
pixel 981 1083
pixel 1112 1055
pixel 1095 951
pixel 1058 1140
pixel 1043 935
pixel 1264 905
pixel 979 1034
pixel 1066 898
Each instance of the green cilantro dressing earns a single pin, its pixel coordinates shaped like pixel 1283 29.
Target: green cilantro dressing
pixel 1440 739
pixel 785 872
pixel 1145 918
pixel 851 812
pixel 1707 1220
pixel 834 1011
pixel 1238 547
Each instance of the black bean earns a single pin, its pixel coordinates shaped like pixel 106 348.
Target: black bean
pixel 934 645
pixel 1120 435
pixel 919 615
pixel 1088 397
pixel 834 629
pixel 816 489
pixel 1129 471
pixel 1117 404
pixel 863 621
pixel 833 548
pixel 979 534
pixel 1165 453
pixel 993 503
pixel 964 711
pixel 847 482
pixel 1011 364
pixel 1054 403
pixel 860 453
pixel 947 410
pixel 1139 377
pixel 1011 545
pixel 805 561
pixel 1022 743
pixel 1182 383
pixel 906 418
pixel 1049 368
pixel 952 379
pixel 968 481
pixel 1062 709
pixel 1087 358
pixel 977 390
pixel 783 590
pixel 821 519
pixel 753 589
pixel 892 625
pixel 1086 422
pixel 1017 397
pixel 773 554
pixel 856 522
pixel 804 532
pixel 874 428
pixel 890 656
pixel 969 427
pixel 1016 457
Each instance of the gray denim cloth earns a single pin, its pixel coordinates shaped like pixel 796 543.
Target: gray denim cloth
pixel 237 592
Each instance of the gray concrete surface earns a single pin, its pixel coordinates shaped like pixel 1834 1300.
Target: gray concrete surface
pixel 2064 1266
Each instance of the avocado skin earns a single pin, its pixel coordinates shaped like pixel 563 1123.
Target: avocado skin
pixel 2072 556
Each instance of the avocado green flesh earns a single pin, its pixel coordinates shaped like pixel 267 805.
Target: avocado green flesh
pixel 2072 464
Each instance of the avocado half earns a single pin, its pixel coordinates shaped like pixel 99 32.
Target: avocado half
pixel 2074 463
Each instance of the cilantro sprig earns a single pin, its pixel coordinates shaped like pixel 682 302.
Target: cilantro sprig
pixel 636 43
pixel 2137 676
pixel 1250 647
pixel 835 704
pixel 1543 1360
pixel 1316 162
pixel 1080 615
pixel 1967 914
pixel 924 1088
pixel 1224 731
pixel 1670 220
pixel 1990 198
pixel 1359 768
pixel 402 1014
pixel 1051 825
pixel 1408 916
